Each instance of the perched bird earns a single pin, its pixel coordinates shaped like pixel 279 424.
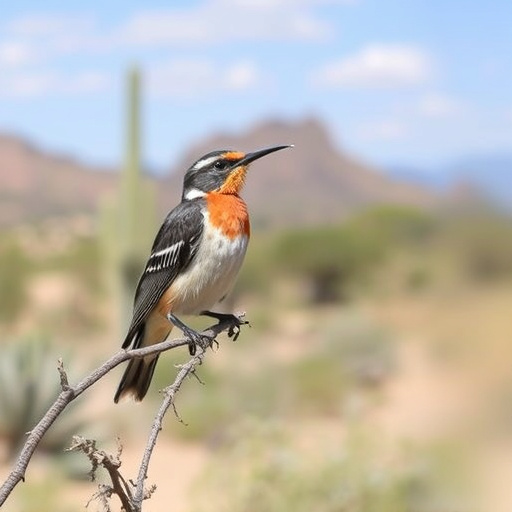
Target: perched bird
pixel 194 260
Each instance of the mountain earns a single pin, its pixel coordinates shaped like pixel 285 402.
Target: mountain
pixel 435 180
pixel 313 182
pixel 35 184
pixel 490 176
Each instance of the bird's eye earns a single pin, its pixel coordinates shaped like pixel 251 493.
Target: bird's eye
pixel 219 164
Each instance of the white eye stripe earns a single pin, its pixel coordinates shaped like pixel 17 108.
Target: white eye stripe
pixel 204 162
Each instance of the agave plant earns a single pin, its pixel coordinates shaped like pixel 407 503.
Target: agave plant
pixel 29 383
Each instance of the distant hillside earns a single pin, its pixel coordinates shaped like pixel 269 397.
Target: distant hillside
pixel 36 184
pixel 313 182
pixel 488 176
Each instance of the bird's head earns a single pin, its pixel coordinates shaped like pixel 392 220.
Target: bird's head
pixel 220 171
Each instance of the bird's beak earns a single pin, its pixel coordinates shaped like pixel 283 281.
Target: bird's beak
pixel 250 157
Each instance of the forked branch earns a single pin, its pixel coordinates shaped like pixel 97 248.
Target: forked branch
pixel 70 393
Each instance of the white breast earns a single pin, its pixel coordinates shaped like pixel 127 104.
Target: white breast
pixel 211 275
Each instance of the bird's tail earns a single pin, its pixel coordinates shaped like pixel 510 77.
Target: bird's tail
pixel 136 378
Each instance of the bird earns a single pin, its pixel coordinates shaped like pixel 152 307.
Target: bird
pixel 194 261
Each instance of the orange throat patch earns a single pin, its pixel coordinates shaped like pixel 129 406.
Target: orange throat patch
pixel 228 212
pixel 234 182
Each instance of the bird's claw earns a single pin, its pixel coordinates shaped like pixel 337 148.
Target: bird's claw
pixel 235 322
pixel 195 339
pixel 235 328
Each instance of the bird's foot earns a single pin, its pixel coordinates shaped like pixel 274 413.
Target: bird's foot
pixel 235 321
pixel 194 338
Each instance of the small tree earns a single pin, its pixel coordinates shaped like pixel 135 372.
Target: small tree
pixel 332 259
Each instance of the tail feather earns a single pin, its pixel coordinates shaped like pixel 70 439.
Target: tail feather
pixel 136 378
pixel 139 372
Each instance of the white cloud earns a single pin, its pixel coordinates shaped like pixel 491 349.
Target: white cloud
pixel 220 21
pixel 266 4
pixel 207 22
pixel 242 76
pixel 32 85
pixel 15 53
pixel 38 46
pixel 378 66
pixel 383 130
pixel 50 36
pixel 436 105
pixel 46 25
pixel 201 78
pixel 86 82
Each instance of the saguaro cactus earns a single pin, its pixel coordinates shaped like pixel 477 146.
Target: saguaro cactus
pixel 128 222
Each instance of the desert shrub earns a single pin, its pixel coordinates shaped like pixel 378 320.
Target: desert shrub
pixel 82 259
pixel 350 356
pixel 335 260
pixel 331 259
pixel 209 411
pixel 354 355
pixel 367 351
pixel 256 275
pixel 483 247
pixel 265 469
pixel 14 275
pixel 44 495
pixel 395 224
pixel 29 383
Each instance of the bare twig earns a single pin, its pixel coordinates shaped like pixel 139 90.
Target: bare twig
pixel 70 393
pixel 64 383
pixel 169 395
pixel 112 464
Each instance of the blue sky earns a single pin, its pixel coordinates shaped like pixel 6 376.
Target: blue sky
pixel 413 83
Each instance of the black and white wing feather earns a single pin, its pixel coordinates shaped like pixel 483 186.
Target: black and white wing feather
pixel 174 248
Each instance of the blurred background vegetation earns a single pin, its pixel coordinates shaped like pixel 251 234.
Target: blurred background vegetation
pixel 375 376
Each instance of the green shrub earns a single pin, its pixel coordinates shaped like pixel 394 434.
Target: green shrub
pixel 353 355
pixel 335 260
pixel 14 274
pixel 265 469
pixel 395 224
pixel 44 495
pixel 29 384
pixel 256 275
pixel 82 260
pixel 331 259
pixel 227 396
pixel 350 356
pixel 483 247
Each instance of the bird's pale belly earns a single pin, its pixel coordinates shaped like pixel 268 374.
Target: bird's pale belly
pixel 211 275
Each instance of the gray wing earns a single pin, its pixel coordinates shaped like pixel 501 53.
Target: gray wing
pixel 174 248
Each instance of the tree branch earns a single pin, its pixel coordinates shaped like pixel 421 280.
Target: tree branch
pixel 70 393
pixel 169 395
pixel 111 464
